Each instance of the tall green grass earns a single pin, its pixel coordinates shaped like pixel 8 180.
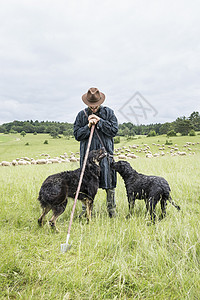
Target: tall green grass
pixel 109 258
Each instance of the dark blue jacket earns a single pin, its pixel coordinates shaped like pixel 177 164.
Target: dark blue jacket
pixel 107 128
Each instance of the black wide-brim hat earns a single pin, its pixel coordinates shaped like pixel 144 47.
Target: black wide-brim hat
pixel 93 97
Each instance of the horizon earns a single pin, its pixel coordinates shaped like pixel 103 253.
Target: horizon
pixel 187 117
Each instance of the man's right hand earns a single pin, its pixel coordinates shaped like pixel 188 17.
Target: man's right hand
pixel 92 122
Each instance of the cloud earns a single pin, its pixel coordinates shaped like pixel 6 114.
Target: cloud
pixel 52 52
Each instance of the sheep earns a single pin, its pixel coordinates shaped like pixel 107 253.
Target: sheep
pixel 14 162
pixel 21 162
pixel 73 159
pixel 54 160
pixel 149 155
pixel 122 156
pixel 5 163
pixel 41 161
pixel 131 155
pixel 181 153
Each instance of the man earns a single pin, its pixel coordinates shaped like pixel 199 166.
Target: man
pixel 106 127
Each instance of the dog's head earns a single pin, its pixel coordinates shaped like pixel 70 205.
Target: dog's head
pixel 121 166
pixel 95 156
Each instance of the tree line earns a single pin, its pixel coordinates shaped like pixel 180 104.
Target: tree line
pixel 183 125
pixel 52 127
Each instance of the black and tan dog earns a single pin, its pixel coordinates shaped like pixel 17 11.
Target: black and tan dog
pixel 56 189
pixel 139 186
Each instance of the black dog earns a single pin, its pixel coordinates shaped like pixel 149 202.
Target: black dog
pixel 139 186
pixel 56 189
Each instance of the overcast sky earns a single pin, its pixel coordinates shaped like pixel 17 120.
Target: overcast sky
pixel 144 55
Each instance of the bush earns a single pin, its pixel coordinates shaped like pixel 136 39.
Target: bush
pixel 116 139
pixel 151 133
pixel 13 131
pixel 131 138
pixel 168 142
pixel 192 132
pixel 27 144
pixel 35 133
pixel 46 142
pixel 171 133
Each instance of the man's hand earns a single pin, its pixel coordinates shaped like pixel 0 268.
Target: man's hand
pixel 93 116
pixel 93 120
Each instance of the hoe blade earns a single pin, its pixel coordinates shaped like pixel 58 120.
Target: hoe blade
pixel 65 247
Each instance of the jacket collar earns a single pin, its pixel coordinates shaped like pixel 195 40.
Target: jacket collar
pixel 98 113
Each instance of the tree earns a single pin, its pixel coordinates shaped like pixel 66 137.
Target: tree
pixel 126 131
pixel 183 125
pixel 2 129
pixel 68 132
pixel 23 133
pixel 28 127
pixel 40 128
pixel 171 133
pixel 195 120
pixel 54 132
pixel 164 128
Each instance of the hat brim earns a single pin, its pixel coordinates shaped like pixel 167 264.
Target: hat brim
pixel 97 103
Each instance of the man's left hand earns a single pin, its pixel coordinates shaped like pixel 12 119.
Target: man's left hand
pixel 95 117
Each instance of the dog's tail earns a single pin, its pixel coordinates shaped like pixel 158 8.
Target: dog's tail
pixel 173 203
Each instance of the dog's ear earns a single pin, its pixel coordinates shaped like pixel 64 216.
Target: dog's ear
pixel 90 158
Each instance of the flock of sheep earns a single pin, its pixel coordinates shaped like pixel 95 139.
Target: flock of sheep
pixel 133 151
pixel 130 152
pixel 42 161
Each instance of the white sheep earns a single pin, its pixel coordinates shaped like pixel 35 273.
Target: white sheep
pixel 73 159
pixel 5 163
pixel 21 162
pixel 54 160
pixel 14 162
pixel 181 153
pixel 41 161
pixel 149 155
pixel 131 155
pixel 121 156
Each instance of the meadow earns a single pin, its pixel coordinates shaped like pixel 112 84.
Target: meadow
pixel 109 258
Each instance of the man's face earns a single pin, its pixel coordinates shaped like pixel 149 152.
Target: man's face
pixel 94 109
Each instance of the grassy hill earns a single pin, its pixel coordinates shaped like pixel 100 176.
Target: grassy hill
pixel 109 258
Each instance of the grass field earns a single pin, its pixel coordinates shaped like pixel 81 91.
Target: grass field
pixel 109 258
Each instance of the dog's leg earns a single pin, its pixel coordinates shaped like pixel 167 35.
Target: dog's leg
pixel 57 211
pixel 163 204
pixel 131 204
pixel 44 212
pixel 89 205
pixel 147 205
pixel 152 204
